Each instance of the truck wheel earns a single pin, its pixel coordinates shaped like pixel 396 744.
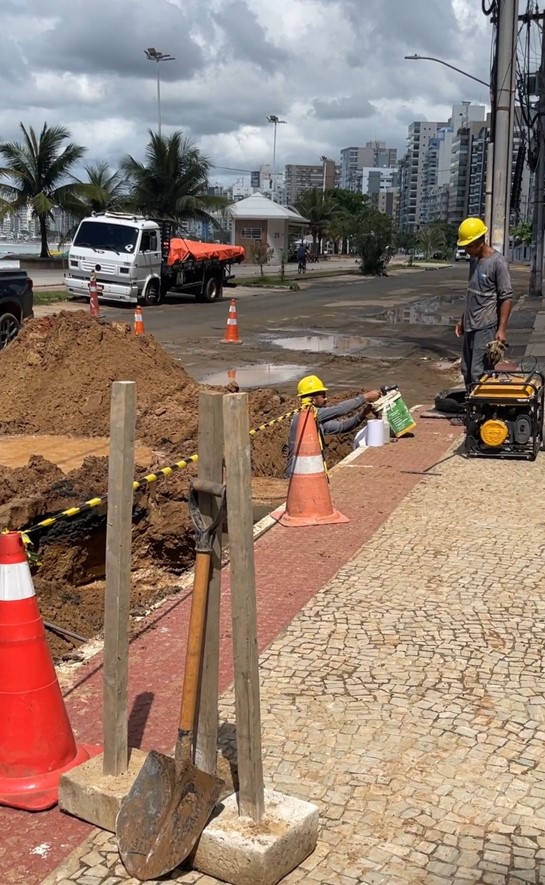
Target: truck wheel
pixel 213 290
pixel 9 327
pixel 152 295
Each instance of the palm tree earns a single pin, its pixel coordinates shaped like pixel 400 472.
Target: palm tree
pixel 320 210
pixel 172 183
pixel 38 172
pixel 104 189
pixel 432 239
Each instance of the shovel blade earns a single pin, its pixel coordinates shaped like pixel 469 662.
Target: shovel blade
pixel 163 815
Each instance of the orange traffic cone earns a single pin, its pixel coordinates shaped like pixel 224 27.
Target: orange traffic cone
pixel 231 330
pixel 36 740
pixel 94 309
pixel 309 499
pixel 138 321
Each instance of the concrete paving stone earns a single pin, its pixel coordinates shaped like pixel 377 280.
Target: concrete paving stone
pixel 467 874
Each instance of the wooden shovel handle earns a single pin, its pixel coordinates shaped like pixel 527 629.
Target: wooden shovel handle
pixel 195 642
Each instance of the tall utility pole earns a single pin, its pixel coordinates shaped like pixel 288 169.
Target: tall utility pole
pixel 324 169
pixel 157 56
pixel 536 274
pixel 275 120
pixel 503 122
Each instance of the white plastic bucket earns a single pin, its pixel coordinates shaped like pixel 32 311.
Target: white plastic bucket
pixel 375 432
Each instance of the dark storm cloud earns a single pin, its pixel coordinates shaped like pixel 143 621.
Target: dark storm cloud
pixel 344 108
pixel 110 37
pixel 333 68
pixel 245 38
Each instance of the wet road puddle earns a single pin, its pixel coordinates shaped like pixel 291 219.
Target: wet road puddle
pixel 255 375
pixel 67 452
pixel 438 310
pixel 341 345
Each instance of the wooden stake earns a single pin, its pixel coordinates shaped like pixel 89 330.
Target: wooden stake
pixel 243 595
pixel 118 577
pixel 210 448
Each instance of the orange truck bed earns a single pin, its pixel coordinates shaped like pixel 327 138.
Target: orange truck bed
pixel 181 250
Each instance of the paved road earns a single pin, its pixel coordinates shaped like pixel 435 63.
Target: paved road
pixel 353 330
pixel 380 321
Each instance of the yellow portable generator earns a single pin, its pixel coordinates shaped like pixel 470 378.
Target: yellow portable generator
pixel 505 415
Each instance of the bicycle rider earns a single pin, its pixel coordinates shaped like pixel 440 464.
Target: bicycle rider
pixel 301 258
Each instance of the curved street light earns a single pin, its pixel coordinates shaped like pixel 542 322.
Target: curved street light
pixel 275 120
pixel 440 61
pixel 157 56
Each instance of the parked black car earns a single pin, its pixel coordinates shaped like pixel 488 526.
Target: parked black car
pixel 16 303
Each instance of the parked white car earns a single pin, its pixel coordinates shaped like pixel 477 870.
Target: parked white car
pixel 461 255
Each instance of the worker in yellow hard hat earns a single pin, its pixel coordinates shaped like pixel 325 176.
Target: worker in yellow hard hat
pixel 489 299
pixel 329 419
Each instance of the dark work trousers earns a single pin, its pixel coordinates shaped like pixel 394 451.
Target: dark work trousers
pixel 474 362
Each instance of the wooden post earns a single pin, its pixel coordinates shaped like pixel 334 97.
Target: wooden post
pixel 243 596
pixel 210 448
pixel 118 577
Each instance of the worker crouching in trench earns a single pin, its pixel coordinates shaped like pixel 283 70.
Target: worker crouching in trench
pixel 335 419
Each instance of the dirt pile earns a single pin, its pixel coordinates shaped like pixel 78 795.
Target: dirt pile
pixel 57 375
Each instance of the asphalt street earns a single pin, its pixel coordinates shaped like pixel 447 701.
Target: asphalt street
pixel 352 330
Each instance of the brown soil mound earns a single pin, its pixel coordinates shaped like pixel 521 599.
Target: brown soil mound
pixel 56 378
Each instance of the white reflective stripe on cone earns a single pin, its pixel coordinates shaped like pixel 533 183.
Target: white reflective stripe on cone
pixel 309 464
pixel 232 323
pixel 15 582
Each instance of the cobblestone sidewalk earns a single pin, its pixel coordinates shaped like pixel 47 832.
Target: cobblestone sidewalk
pixel 407 699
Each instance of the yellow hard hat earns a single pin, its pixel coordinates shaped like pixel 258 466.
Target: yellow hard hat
pixel 470 230
pixel 310 384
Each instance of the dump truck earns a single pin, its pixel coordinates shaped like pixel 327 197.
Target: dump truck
pixel 136 260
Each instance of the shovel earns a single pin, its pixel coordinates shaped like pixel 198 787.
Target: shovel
pixel 170 801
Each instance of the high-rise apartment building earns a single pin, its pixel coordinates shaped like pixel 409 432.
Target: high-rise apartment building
pixel 411 174
pixel 374 154
pixel 377 184
pixel 299 178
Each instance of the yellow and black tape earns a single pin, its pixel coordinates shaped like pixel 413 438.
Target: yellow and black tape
pixel 274 421
pixel 99 502
pixel 165 471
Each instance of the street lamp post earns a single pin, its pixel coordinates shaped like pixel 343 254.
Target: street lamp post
pixel 157 56
pixel 324 164
pixel 446 64
pixel 275 120
pixel 490 210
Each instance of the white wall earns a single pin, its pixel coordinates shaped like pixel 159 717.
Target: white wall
pixel 277 238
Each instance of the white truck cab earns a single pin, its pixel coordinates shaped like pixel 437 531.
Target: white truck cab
pixel 124 251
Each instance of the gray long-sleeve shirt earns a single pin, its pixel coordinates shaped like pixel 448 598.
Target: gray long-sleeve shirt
pixel 329 420
pixel 488 287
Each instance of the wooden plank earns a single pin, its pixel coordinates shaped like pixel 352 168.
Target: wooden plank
pixel 210 448
pixel 118 577
pixel 243 596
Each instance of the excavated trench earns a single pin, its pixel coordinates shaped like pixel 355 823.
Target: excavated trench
pixel 65 365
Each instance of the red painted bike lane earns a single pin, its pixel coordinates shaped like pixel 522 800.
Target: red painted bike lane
pixel 292 565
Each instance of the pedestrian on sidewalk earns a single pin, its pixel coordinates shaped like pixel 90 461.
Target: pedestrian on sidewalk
pixel 489 300
pixel 329 419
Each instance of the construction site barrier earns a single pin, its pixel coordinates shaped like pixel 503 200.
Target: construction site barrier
pixel 92 503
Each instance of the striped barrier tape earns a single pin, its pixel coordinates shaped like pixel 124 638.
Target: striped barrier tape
pixel 145 480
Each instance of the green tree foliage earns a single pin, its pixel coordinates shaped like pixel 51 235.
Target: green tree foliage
pixel 105 189
pixel 432 241
pixel 172 183
pixel 522 233
pixel 38 172
pixel 374 237
pixel 320 210
pixel 348 207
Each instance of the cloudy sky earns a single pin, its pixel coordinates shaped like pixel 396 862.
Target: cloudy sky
pixel 334 69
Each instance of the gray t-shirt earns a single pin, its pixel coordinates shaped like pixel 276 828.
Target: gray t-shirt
pixel 489 285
